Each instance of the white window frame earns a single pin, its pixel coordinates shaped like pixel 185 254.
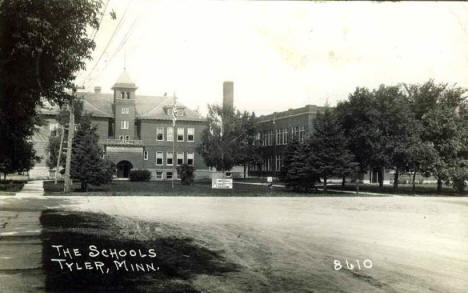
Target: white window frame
pixel 183 133
pixel 145 155
pixel 190 132
pixel 125 110
pixel 124 124
pixel 170 134
pixel 159 155
pixel 161 177
pixel 160 130
pixel 169 155
pixel 191 156
pixel 180 155
pixel 167 175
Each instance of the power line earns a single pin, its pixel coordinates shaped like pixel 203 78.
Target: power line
pixel 100 20
pixel 124 40
pixel 110 40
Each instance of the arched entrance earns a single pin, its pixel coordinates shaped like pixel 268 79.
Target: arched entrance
pixel 123 169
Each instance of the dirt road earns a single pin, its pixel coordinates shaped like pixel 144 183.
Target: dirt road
pixel 407 244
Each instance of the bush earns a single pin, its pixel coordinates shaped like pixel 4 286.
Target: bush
pixel 140 175
pixel 186 174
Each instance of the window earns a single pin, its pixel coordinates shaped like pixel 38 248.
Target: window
pixel 121 137
pixel 180 134
pixel 124 124
pixel 125 110
pixel 170 134
pixel 190 159
pixel 180 158
pixel 169 175
pixel 127 138
pixel 159 159
pixel 145 155
pixel 278 163
pixel 122 95
pixel 169 158
pixel 160 133
pixel 53 129
pixel 190 134
pixel 128 95
pixel 301 134
pixel 159 175
pixel 285 136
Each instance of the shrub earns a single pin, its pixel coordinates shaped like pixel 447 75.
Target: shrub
pixel 140 175
pixel 186 174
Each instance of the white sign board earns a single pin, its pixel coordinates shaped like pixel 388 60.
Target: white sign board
pixel 269 179
pixel 221 183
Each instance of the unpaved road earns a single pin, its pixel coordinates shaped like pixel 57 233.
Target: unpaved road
pixel 416 244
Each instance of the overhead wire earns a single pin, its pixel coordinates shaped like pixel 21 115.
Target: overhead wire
pixel 110 40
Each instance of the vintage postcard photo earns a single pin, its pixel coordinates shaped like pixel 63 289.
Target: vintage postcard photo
pixel 233 146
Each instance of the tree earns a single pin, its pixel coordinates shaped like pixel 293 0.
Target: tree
pixel 87 164
pixel 53 147
pixel 441 110
pixel 249 150
pixel 42 45
pixel 225 137
pixel 298 176
pixel 329 155
pixel 186 174
pixel 357 116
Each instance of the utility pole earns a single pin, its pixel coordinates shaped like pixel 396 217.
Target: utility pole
pixel 174 135
pixel 59 157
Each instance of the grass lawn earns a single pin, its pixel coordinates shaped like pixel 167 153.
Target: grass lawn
pixel 10 187
pixel 403 189
pixel 421 189
pixel 164 188
pixel 178 259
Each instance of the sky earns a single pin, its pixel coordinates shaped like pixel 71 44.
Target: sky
pixel 279 55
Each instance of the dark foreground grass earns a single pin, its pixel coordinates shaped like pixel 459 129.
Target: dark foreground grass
pixel 10 187
pixel 178 260
pixel 164 188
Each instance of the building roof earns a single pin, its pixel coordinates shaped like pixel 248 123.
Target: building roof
pixel 124 81
pixel 147 107
pixel 306 110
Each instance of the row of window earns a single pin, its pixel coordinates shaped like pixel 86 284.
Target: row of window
pixel 281 136
pixel 181 157
pixel 270 164
pixel 169 134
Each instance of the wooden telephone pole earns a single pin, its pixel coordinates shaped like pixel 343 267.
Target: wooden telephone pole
pixel 71 133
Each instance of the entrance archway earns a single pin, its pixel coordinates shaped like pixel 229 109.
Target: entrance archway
pixel 123 169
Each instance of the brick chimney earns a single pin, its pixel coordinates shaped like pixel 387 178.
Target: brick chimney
pixel 228 94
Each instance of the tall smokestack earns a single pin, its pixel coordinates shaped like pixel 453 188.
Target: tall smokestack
pixel 228 94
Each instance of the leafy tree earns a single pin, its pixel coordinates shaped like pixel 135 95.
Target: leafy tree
pixel 357 116
pixel 87 164
pixel 42 45
pixel 329 155
pixel 249 150
pixel 225 137
pixel 441 110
